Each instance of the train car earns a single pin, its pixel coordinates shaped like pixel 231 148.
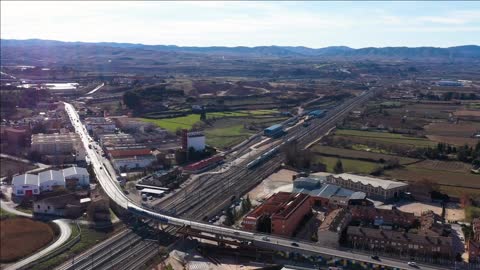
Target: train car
pixel 263 157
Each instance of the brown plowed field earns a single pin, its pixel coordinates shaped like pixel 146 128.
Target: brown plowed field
pixel 20 237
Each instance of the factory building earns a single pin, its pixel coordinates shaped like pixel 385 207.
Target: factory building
pixel 280 214
pixel 374 187
pixel 274 131
pixel 324 194
pixel 195 140
pixel 57 145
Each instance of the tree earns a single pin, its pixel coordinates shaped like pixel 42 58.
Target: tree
pixel 246 205
pixel 230 217
pixel 132 100
pixel 338 167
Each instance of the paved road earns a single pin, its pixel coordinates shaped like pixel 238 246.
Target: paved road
pixel 65 232
pixel 96 89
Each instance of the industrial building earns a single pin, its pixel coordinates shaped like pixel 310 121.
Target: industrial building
pixel 100 125
pixel 203 165
pixel 324 194
pixel 130 157
pixel 280 214
pixel 274 131
pixel 316 113
pixel 374 187
pixel 195 140
pixel 107 140
pixel 56 145
pixel 29 184
pixel 76 176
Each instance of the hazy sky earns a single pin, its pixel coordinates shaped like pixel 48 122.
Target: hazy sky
pixel 312 24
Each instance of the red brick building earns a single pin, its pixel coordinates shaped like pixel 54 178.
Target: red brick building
pixel 382 216
pixel 283 211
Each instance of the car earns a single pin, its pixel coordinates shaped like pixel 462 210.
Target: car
pixel 412 264
pixel 265 238
pixel 236 233
pixel 294 244
pixel 375 257
pixel 126 192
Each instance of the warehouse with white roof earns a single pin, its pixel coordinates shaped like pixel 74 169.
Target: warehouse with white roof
pixel 375 188
pixel 25 185
pixel 29 184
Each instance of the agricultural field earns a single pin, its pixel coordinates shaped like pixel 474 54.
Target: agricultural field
pixel 361 137
pixel 23 237
pixel 13 167
pixel 356 154
pixel 451 133
pixel 444 173
pixel 349 165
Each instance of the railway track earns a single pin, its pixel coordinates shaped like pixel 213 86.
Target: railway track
pixel 213 196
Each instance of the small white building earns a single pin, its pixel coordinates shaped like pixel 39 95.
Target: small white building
pixel 51 179
pixel 78 175
pixel 196 140
pixel 25 185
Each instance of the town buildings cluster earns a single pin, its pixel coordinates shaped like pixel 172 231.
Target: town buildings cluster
pixel 348 216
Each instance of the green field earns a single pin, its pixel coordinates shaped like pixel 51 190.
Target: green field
pixel 227 136
pixel 385 137
pixel 349 165
pixel 172 124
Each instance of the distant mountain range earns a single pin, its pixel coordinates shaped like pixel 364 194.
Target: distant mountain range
pixel 467 52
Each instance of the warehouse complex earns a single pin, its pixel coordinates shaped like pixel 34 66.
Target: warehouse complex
pixel 29 184
pixel 375 188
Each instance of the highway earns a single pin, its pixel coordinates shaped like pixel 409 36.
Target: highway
pixel 113 190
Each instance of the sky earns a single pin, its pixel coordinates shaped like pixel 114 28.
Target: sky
pixel 310 24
